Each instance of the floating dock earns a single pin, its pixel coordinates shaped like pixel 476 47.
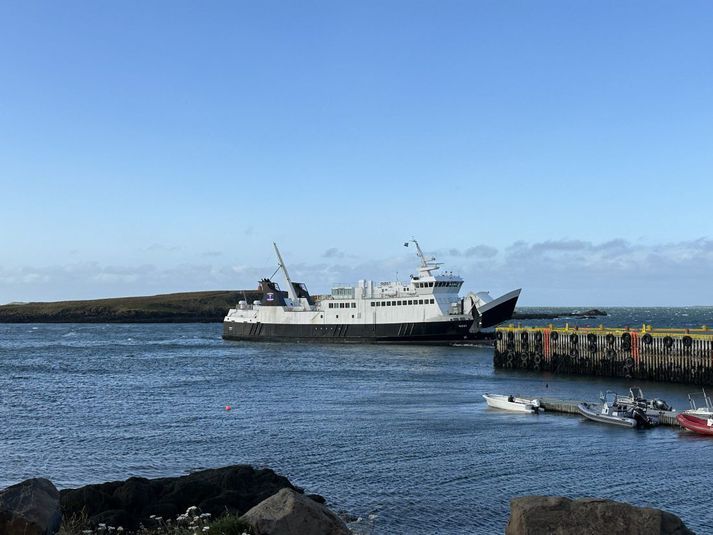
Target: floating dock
pixel 648 354
pixel 569 406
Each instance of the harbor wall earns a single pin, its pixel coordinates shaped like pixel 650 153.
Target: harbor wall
pixel 665 355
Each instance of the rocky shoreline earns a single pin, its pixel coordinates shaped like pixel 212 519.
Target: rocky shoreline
pixel 243 500
pixel 250 500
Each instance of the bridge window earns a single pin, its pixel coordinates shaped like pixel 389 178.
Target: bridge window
pixel 373 304
pixel 420 301
pixel 410 302
pixel 431 301
pixel 353 305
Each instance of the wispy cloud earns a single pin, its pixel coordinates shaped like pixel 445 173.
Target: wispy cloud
pixel 552 272
pixel 333 252
pixel 161 248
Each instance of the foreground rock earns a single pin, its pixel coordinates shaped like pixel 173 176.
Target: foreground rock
pixel 30 508
pixel 291 513
pixel 233 489
pixel 533 515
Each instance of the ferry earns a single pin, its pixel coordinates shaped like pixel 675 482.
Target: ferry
pixel 425 310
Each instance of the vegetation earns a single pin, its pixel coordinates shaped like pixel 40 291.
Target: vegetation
pixel 167 308
pixel 192 522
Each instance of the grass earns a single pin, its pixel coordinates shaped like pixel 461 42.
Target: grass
pixel 189 523
pixel 166 308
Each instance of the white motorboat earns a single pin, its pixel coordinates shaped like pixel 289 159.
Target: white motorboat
pixel 512 403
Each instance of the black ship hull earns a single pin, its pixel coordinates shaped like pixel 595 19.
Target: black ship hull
pixel 442 332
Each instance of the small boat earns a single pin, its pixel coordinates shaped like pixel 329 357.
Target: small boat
pixel 636 399
pixel 705 411
pixel 702 426
pixel 610 411
pixel 512 403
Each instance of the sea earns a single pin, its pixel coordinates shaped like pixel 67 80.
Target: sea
pixel 396 436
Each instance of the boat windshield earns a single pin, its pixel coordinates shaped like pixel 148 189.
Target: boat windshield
pixel 610 398
pixel 636 392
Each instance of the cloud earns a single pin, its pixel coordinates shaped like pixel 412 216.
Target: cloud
pixel 563 272
pixel 482 251
pixel 161 248
pixel 333 252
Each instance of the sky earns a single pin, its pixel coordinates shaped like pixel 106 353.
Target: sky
pixel 561 147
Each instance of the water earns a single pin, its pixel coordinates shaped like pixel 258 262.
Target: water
pixel 395 431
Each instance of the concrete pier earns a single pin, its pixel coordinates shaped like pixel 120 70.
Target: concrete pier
pixel 665 355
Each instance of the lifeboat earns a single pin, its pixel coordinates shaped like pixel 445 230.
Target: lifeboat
pixel 702 426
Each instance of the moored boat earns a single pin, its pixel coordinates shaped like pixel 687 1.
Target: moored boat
pixel 702 410
pixel 512 403
pixel 427 309
pixel 610 411
pixel 636 398
pixel 702 426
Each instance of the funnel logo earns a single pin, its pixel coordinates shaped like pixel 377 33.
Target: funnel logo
pixel 270 296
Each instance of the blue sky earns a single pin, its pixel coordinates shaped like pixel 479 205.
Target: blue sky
pixel 562 147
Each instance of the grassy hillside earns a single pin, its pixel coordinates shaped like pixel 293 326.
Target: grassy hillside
pixel 167 308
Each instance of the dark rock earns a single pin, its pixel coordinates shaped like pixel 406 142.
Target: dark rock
pixel 290 513
pixel 556 515
pixel 127 503
pixel 30 508
pixel 317 498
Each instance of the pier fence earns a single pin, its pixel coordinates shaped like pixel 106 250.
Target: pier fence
pixel 665 355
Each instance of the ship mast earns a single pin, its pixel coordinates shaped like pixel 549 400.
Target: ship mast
pixel 427 264
pixel 290 289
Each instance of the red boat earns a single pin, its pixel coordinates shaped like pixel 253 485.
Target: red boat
pixel 702 426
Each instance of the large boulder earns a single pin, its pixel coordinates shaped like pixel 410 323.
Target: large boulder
pixel 556 515
pixel 232 489
pixel 291 513
pixel 30 508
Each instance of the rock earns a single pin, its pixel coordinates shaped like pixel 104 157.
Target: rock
pixel 290 513
pixel 232 489
pixel 30 508
pixel 556 515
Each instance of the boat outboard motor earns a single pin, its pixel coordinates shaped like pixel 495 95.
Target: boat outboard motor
pixel 642 420
pixel 536 405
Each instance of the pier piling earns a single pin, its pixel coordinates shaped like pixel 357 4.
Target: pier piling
pixel 665 355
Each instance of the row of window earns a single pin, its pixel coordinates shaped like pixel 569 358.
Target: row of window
pixel 438 284
pixel 342 305
pixel 402 302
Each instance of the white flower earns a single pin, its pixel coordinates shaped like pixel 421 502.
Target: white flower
pixel 206 528
pixel 119 529
pixel 191 509
pixel 152 517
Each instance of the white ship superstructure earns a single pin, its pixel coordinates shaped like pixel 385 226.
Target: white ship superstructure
pixel 426 309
